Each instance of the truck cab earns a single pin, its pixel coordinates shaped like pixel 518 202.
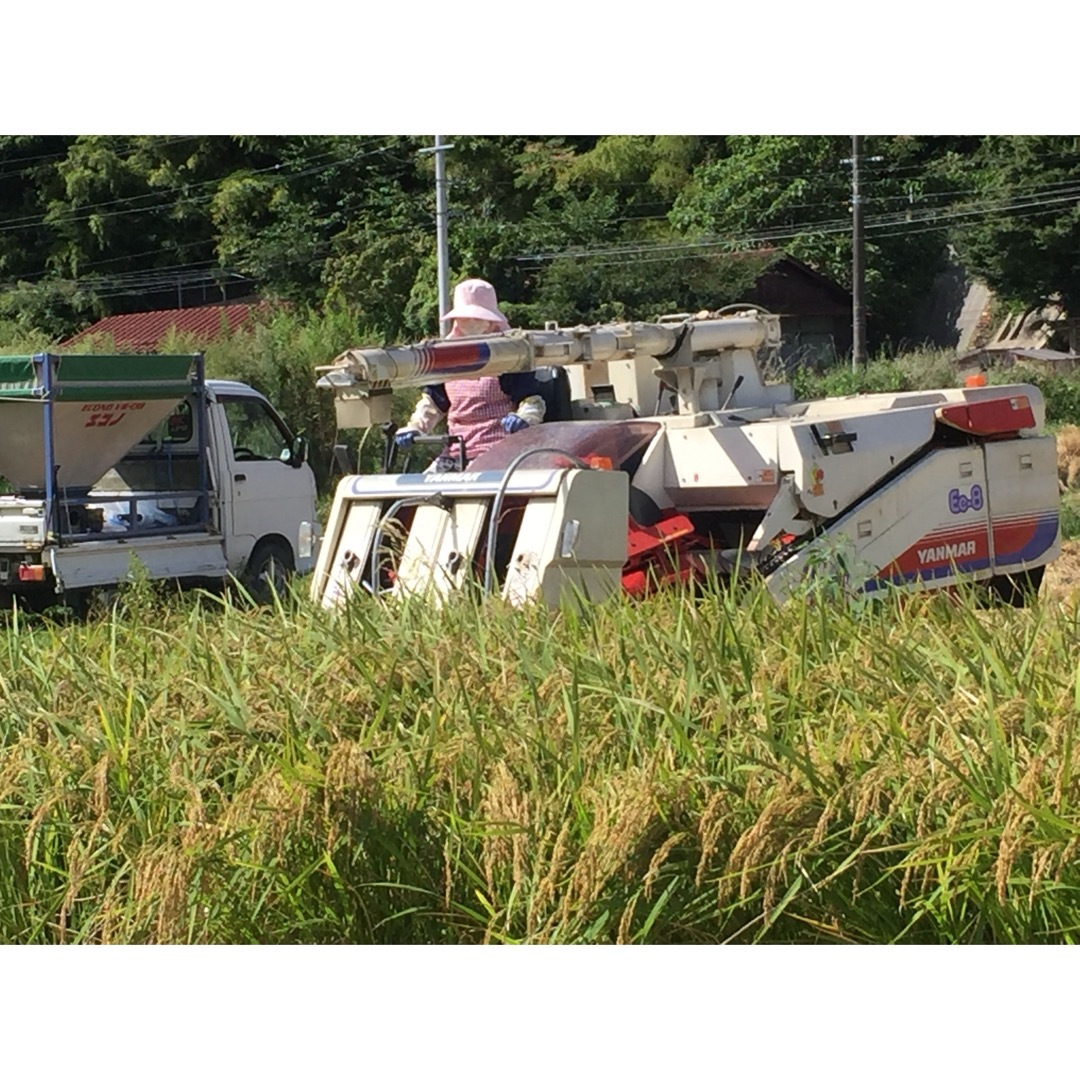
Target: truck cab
pixel 266 487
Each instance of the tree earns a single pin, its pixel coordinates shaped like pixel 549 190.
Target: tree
pixel 794 192
pixel 569 238
pixel 27 179
pixel 1019 227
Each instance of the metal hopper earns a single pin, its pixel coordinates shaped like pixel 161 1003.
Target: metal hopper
pixel 80 414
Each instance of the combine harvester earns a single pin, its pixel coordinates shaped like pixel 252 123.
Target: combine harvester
pixel 678 461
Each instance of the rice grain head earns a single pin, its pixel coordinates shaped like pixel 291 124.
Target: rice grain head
pixel 547 890
pixel 711 826
pixel 350 781
pixel 624 812
pixel 505 809
pixel 161 880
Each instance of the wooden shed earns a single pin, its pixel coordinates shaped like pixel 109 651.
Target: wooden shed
pixel 815 311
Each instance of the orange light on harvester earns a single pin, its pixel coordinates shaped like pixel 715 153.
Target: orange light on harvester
pixel 978 379
pixel 28 572
pixel 595 461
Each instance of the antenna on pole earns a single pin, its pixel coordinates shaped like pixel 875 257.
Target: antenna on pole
pixel 441 244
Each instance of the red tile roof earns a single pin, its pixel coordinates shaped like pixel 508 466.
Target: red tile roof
pixel 144 330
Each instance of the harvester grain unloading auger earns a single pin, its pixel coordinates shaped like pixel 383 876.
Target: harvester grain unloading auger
pixel 679 462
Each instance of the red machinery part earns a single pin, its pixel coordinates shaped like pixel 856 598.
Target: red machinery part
pixel 995 416
pixel 659 555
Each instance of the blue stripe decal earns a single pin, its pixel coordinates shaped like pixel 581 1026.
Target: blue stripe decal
pixel 1046 531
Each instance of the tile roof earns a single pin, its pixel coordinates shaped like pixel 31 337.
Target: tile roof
pixel 144 330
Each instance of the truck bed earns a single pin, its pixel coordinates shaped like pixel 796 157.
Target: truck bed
pixel 108 560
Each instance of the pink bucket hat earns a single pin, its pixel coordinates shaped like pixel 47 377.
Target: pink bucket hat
pixel 476 299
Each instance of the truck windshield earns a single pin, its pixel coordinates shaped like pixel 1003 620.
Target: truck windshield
pixel 617 444
pixel 256 431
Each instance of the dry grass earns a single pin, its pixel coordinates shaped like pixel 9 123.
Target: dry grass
pixel 1068 454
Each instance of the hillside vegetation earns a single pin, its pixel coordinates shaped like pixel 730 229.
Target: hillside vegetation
pixel 573 228
pixel 684 770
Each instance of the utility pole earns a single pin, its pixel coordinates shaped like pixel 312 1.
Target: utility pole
pixel 858 269
pixel 441 244
pixel 858 251
pixel 441 230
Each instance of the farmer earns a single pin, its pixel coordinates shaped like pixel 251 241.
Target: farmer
pixel 482 411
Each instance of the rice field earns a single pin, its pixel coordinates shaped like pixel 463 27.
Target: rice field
pixel 680 770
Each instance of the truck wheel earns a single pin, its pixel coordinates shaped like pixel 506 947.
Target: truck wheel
pixel 102 600
pixel 268 570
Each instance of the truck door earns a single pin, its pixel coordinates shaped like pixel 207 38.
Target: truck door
pixel 269 496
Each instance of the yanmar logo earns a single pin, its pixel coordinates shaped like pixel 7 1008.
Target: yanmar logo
pixel 946 552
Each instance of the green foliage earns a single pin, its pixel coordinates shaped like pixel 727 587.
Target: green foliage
pixel 581 291
pixel 17 340
pixel 1070 516
pixel 921 370
pixel 575 229
pixel 1026 249
pixel 794 192
pixel 391 279
pixel 639 167
pixel 46 309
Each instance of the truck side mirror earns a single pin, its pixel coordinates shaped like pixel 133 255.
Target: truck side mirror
pixel 298 452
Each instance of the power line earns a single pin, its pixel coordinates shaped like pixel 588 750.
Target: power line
pixel 741 245
pixel 80 214
pixel 169 141
pixel 789 231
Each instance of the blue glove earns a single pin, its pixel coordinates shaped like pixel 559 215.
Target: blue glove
pixel 405 437
pixel 513 423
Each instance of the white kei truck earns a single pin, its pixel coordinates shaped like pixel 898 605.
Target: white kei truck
pixel 110 459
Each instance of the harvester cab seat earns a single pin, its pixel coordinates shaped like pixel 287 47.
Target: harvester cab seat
pixel 555 390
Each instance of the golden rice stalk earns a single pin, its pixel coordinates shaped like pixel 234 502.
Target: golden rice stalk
pixel 99 795
pixel 14 766
pixel 268 809
pixel 1018 824
pixel 657 861
pixel 1040 866
pixel 711 826
pixel 546 891
pixel 349 778
pixel 623 815
pixel 787 814
pixel 161 879
pixel 627 921
pixel 505 808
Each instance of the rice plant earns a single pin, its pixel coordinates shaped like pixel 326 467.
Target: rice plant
pixel 678 770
